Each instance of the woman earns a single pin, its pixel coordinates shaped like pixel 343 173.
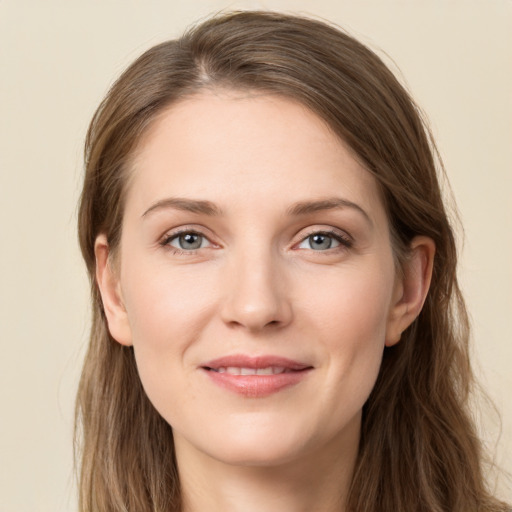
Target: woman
pixel 277 323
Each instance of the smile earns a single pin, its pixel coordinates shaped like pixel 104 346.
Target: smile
pixel 269 370
pixel 255 377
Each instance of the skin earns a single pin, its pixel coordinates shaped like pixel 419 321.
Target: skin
pixel 257 285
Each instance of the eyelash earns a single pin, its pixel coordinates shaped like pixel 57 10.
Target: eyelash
pixel 167 239
pixel 345 241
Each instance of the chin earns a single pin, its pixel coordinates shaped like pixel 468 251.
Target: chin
pixel 255 440
pixel 272 454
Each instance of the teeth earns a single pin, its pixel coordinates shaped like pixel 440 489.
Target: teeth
pixel 265 371
pixel 233 370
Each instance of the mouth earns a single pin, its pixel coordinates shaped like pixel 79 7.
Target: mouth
pixel 233 370
pixel 255 377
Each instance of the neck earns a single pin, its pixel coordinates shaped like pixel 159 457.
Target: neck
pixel 318 481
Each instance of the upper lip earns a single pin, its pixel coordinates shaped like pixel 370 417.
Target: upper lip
pixel 256 362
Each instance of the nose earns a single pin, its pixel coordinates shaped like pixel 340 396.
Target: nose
pixel 256 295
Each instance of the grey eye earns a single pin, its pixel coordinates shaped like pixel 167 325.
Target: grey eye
pixel 188 241
pixel 320 241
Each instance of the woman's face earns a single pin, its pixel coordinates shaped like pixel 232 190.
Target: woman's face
pixel 256 279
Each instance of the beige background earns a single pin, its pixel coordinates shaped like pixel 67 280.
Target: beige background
pixel 57 59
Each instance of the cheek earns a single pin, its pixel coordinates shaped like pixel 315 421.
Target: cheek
pixel 166 305
pixel 351 303
pixel 350 319
pixel 167 312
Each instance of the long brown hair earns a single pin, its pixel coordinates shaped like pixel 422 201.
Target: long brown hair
pixel 419 451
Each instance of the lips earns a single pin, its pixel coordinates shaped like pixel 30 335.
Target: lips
pixel 255 376
pixel 232 370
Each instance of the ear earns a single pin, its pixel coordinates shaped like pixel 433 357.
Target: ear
pixel 107 278
pixel 411 288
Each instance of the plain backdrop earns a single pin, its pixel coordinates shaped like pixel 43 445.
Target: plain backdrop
pixel 57 59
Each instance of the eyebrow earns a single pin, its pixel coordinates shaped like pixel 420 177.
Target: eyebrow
pixel 332 203
pixel 298 209
pixel 187 205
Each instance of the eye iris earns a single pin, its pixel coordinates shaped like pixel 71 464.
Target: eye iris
pixel 320 241
pixel 190 241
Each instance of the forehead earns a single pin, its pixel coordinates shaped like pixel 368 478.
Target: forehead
pixel 227 144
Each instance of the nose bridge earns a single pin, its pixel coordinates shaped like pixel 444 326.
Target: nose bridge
pixel 257 293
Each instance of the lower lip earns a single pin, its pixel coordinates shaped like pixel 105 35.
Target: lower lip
pixel 257 386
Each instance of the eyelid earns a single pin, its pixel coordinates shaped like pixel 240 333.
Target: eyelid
pixel 344 238
pixel 174 233
pixel 204 242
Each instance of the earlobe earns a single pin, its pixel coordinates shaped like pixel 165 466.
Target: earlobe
pixel 107 279
pixel 411 289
